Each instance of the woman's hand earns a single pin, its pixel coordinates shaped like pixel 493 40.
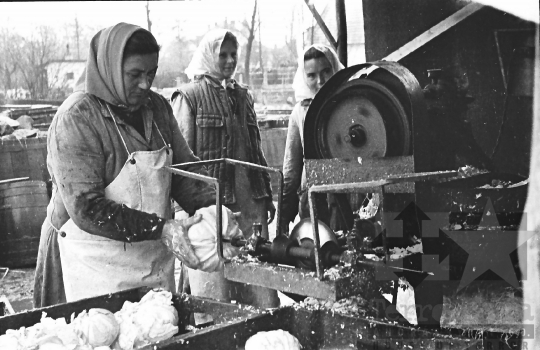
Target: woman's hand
pixel 271 209
pixel 175 237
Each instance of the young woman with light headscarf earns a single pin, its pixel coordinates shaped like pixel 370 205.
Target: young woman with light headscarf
pixel 217 117
pixel 315 67
pixel 110 205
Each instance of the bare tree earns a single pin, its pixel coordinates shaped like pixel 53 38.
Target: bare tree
pixel 9 63
pixel 36 52
pixel 290 41
pixel 148 16
pixel 261 63
pixel 251 37
pixel 174 59
pixel 57 85
pixel 77 37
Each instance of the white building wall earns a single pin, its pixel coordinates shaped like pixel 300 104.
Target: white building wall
pixel 64 74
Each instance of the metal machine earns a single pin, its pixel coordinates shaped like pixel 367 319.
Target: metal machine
pixel 372 128
pixel 368 131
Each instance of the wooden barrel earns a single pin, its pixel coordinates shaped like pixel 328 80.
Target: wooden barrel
pixel 23 208
pixel 273 139
pixel 24 158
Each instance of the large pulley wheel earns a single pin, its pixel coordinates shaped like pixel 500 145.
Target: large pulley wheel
pixel 361 118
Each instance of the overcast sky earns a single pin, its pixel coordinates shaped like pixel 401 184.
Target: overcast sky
pixel 195 17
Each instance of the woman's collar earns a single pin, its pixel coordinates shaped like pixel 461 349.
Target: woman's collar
pixel 306 102
pixel 122 110
pixel 225 83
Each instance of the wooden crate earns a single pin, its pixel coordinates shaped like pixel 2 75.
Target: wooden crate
pixel 186 305
pixel 234 324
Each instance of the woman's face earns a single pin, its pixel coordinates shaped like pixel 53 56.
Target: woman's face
pixel 139 72
pixel 318 71
pixel 227 59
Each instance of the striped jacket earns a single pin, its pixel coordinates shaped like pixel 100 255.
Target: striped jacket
pixel 208 117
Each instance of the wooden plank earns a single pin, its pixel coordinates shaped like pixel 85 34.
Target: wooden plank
pixel 433 32
pixel 321 24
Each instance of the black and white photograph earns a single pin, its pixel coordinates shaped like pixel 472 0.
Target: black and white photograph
pixel 270 174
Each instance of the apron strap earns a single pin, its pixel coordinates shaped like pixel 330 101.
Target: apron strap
pixel 160 134
pixel 51 224
pixel 117 128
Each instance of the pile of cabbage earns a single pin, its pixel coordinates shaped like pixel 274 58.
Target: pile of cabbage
pixel 138 324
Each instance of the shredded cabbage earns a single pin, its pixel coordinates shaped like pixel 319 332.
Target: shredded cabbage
pixel 152 319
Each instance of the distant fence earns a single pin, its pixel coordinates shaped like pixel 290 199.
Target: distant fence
pixel 34 102
pixel 274 95
pixel 279 76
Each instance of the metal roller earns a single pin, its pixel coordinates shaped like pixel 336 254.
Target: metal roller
pixel 366 111
pixel 303 234
pixel 363 111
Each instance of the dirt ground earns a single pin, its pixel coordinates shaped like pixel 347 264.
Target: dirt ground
pixel 17 285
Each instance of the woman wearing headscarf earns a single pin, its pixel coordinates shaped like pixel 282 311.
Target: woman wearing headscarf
pixel 217 117
pixel 315 67
pixel 110 205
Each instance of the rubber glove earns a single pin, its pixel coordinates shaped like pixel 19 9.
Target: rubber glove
pixel 175 237
pixel 271 210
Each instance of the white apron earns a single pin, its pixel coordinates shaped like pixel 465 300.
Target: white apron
pixel 95 265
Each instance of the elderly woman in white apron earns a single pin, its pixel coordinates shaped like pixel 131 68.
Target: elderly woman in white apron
pixel 111 202
pixel 217 117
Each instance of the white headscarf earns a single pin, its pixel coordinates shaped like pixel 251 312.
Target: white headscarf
pixel 206 58
pixel 301 88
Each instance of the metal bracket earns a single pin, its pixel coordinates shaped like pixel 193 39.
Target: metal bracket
pixel 364 187
pixel 433 32
pixel 18 179
pixel 218 186
pixel 5 306
pixel 321 24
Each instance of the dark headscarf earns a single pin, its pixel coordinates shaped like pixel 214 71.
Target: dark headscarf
pixel 104 77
